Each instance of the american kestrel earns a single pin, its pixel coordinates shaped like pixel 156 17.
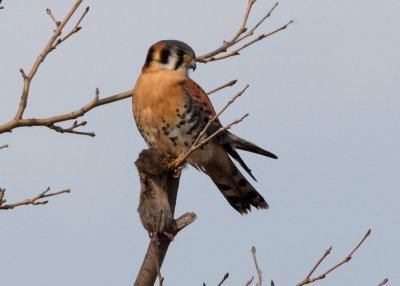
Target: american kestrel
pixel 171 110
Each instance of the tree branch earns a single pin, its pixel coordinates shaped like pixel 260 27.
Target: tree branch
pixel 159 189
pixel 50 121
pixel 223 279
pixel 33 201
pixel 4 146
pixel 231 83
pixel 39 60
pixel 383 282
pixel 308 280
pixel 239 36
pixel 253 251
pixel 18 121
pixel 260 37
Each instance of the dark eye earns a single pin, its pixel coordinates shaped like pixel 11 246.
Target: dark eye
pixel 181 53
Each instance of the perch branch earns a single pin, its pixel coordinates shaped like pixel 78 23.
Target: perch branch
pixel 33 201
pixel 160 182
pixel 239 36
pixel 4 146
pixel 308 280
pixel 231 83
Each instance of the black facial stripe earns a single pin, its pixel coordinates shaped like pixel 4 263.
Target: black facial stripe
pixel 149 57
pixel 178 62
pixel 164 55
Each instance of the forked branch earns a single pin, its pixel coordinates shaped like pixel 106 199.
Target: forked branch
pixel 240 35
pixel 308 278
pixel 33 201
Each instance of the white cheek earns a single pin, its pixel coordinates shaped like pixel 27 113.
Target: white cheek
pixel 171 66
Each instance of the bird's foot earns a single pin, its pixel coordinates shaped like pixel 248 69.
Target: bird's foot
pixel 175 165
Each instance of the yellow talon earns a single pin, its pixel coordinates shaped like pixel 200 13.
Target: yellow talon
pixel 173 163
pixel 178 172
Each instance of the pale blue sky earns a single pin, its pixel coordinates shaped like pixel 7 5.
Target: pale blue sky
pixel 324 96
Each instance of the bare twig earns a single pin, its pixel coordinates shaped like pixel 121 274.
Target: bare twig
pixel 4 146
pixel 33 201
pixel 249 281
pixel 239 36
pixel 71 129
pixel 308 280
pixel 223 279
pixel 260 37
pixel 253 251
pixel 48 11
pixel 383 282
pixel 319 262
pixel 231 83
pixel 196 144
pixel 73 31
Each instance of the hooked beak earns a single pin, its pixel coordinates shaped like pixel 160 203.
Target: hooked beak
pixel 191 64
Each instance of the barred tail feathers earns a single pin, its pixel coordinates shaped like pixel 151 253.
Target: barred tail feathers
pixel 240 194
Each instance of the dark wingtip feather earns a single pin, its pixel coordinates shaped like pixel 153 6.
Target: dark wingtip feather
pixel 235 155
pixel 245 145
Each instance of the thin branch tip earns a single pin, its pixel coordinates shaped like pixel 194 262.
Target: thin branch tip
pixel 24 76
pixel 384 281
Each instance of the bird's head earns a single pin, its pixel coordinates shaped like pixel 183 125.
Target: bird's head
pixel 171 55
